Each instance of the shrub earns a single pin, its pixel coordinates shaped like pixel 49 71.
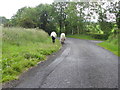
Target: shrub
pixel 100 36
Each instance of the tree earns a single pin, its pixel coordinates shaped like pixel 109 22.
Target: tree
pixel 68 17
pixel 3 20
pixel 60 15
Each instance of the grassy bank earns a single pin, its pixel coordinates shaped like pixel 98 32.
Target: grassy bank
pixel 111 44
pixel 22 49
pixel 87 37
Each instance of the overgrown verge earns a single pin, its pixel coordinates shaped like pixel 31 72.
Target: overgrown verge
pixel 112 44
pixel 22 49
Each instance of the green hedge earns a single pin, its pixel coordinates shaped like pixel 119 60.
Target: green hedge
pixel 99 36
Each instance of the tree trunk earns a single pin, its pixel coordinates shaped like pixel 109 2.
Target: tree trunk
pixel 78 30
pixel 60 27
pixel 72 31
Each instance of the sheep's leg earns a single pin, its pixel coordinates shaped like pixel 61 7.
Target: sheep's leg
pixel 53 39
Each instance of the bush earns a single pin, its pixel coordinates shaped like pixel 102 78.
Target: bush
pixel 100 36
pixel 113 38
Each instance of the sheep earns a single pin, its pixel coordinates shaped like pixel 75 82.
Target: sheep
pixel 62 38
pixel 53 36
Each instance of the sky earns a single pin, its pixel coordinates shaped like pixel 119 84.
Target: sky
pixel 9 7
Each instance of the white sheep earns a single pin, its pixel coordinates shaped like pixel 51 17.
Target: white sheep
pixel 53 36
pixel 62 38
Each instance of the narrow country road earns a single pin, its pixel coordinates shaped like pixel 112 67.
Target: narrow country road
pixel 82 64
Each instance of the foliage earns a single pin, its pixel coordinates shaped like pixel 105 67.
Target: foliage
pixel 69 17
pixel 3 20
pixel 99 36
pixel 24 48
pixel 112 44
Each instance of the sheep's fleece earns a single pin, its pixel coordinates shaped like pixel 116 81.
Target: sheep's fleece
pixel 53 34
pixel 62 37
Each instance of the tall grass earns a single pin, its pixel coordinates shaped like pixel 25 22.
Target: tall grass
pixel 24 48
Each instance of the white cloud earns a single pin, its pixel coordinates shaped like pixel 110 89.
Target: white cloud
pixel 9 7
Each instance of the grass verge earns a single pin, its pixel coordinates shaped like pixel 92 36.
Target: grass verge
pixel 87 37
pixel 109 46
pixel 22 49
pixel 112 44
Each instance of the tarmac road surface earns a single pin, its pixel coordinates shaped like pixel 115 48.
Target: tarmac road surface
pixel 82 64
